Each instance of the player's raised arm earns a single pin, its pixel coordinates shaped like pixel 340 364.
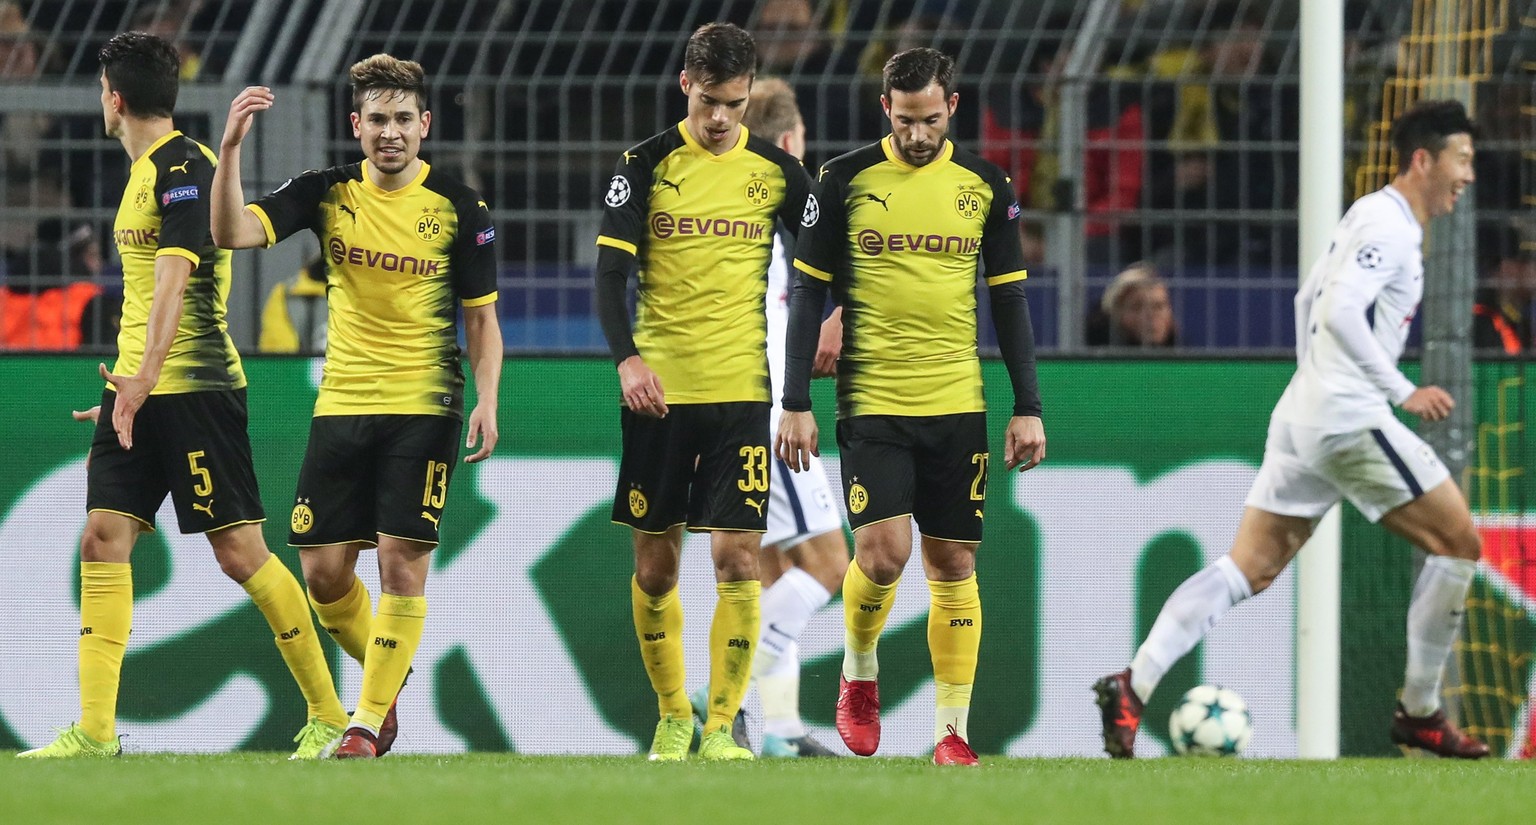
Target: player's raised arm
pixel 234 226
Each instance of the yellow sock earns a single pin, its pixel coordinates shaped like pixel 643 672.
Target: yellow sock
pixel 865 608
pixel 106 615
pixel 954 637
pixel 347 619
pixel 731 637
pixel 278 595
pixel 396 633
pixel 659 629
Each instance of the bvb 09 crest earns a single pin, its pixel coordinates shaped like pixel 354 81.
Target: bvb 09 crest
pixel 428 228
pixel 968 204
pixel 758 192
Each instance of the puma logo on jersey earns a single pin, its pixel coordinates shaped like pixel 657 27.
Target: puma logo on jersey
pixel 429 517
pixel 347 209
pixel 676 187
pixel 756 505
pixel 881 201
pixel 629 156
pixel 206 508
pixel 181 168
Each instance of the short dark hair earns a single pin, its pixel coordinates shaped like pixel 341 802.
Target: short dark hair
pixel 145 70
pixel 718 52
pixel 1426 125
pixel 386 75
pixel 913 69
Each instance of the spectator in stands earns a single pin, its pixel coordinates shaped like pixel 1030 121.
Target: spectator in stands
pixel 1134 311
pixel 170 21
pixel 1502 313
pixel 793 44
pixel 294 318
pixel 1021 134
pixel 1205 165
pixel 66 308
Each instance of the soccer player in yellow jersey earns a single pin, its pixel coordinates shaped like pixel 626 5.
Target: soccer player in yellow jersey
pixel 695 209
pixel 898 229
pixel 406 247
pixel 172 418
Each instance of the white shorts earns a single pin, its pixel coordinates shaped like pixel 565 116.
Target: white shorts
pixel 800 505
pixel 1306 470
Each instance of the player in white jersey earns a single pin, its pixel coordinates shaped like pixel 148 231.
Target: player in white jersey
pixel 1333 435
pixel 804 555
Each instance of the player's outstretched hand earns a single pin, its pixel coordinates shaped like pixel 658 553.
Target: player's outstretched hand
pixel 482 427
pixel 642 388
pixel 1430 403
pixel 131 392
pixel 242 111
pixel 796 442
pixel 829 346
pixel 1024 444
pixel 86 415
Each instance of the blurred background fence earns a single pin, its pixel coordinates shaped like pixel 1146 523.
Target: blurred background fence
pixel 1160 132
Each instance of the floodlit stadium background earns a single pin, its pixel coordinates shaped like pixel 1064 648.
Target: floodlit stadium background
pixel 1172 137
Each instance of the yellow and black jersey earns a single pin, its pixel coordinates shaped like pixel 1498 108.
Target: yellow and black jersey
pixel 396 264
pixel 165 211
pixel 701 226
pixel 902 246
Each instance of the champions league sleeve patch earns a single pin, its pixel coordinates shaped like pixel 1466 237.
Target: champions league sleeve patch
pixel 180 193
pixel 1369 256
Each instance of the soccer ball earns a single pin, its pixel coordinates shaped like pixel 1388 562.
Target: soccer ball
pixel 1210 721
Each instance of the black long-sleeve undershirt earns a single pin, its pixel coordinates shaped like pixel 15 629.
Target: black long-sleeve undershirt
pixel 613 268
pixel 1016 339
pixel 807 299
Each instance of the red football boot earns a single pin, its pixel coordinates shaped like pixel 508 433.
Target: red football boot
pixel 357 743
pixel 952 750
pixel 389 728
pixel 1121 710
pixel 1436 734
pixel 858 715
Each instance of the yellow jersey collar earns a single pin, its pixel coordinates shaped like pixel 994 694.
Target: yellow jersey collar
pixel 741 143
pixel 888 145
pixel 374 189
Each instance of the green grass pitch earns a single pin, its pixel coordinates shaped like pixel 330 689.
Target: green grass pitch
pixel 483 788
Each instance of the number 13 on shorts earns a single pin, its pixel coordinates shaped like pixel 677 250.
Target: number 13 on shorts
pixel 435 493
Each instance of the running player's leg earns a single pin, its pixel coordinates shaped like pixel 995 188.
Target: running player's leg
pixel 1289 494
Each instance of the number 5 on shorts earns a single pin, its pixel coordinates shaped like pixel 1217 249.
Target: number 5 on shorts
pixel 204 487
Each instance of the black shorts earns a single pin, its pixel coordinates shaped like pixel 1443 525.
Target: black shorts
pixel 704 465
pixel 933 468
pixel 370 475
pixel 192 445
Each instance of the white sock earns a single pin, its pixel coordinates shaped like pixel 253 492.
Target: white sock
pixel 1434 622
pixel 787 607
pixel 859 667
pixel 1190 612
pixel 779 688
